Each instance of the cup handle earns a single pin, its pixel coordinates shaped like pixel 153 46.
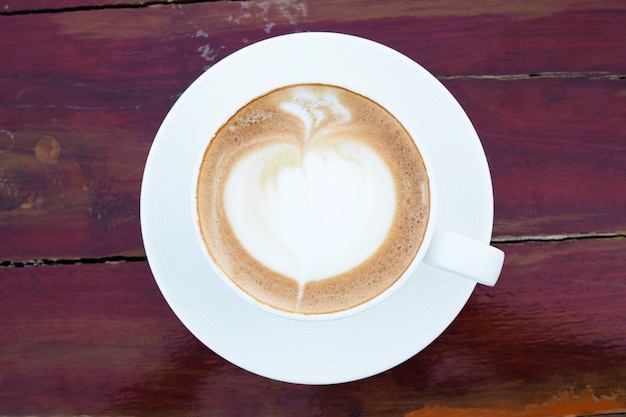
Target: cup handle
pixel 464 256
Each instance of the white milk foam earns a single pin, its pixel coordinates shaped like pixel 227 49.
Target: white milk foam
pixel 314 212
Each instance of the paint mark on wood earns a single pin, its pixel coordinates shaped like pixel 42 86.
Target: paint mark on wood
pixel 209 53
pixel 201 34
pixel 563 404
pixel 272 13
pixel 48 150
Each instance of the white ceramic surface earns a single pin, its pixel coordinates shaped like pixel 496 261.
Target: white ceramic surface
pixel 319 351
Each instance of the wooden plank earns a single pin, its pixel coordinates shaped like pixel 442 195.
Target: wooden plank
pixel 100 340
pixel 555 148
pixel 556 151
pixel 555 322
pixel 100 82
pixel 446 37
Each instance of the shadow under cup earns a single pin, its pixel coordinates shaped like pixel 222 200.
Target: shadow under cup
pixel 314 202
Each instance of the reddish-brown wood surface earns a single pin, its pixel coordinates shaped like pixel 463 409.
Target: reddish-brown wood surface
pixel 83 90
pixel 100 339
pixel 100 82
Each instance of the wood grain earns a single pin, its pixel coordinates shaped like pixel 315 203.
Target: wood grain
pixel 556 152
pixel 101 81
pixel 100 339
pixel 84 86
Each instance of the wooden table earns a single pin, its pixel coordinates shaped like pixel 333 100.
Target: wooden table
pixel 83 89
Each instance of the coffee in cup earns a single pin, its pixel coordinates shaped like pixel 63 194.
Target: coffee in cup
pixel 313 199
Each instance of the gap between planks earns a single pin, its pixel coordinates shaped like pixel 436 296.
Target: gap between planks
pixel 592 75
pixel 556 237
pixel 126 259
pixel 72 261
pixel 136 5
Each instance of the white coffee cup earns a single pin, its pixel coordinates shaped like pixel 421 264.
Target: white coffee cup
pixel 325 348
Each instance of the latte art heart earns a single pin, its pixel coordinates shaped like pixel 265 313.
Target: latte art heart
pixel 313 219
pixel 312 199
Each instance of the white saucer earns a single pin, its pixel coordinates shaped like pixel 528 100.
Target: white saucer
pixel 311 352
